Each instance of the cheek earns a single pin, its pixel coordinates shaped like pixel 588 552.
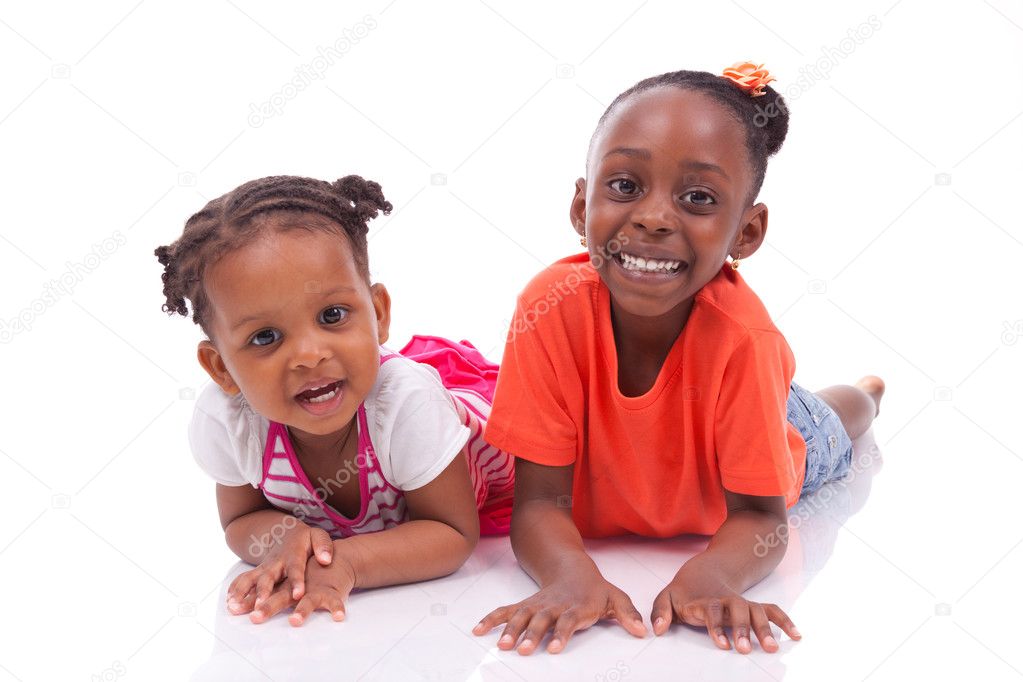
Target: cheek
pixel 362 357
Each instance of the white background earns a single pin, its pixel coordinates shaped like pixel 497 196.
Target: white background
pixel 894 248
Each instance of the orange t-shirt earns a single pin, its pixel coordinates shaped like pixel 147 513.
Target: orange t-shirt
pixel 656 464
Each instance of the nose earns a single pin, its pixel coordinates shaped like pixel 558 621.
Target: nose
pixel 657 213
pixel 309 348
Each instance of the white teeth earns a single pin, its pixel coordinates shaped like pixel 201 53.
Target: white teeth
pixel 323 398
pixel 649 264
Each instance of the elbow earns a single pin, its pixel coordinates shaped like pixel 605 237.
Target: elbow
pixel 463 546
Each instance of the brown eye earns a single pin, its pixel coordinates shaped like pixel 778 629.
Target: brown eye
pixel 623 186
pixel 264 337
pixel 334 314
pixel 700 198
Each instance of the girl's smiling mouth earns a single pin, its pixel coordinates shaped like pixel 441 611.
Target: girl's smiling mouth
pixel 647 268
pixel 322 399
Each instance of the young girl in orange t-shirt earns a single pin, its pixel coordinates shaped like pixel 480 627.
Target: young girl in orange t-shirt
pixel 644 388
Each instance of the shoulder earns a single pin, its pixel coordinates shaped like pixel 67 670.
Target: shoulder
pixel 731 303
pixel 566 276
pixel 404 387
pixel 227 436
pixel 413 424
pixel 402 377
pixel 216 406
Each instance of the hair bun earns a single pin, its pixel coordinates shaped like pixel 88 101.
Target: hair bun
pixel 364 196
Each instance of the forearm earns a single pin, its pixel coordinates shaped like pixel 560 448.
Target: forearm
pixel 251 535
pixel 740 554
pixel 409 552
pixel 546 542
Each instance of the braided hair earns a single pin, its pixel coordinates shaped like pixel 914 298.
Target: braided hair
pixel 764 118
pixel 229 222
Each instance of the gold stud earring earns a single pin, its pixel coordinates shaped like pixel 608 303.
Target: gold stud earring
pixel 735 262
pixel 582 240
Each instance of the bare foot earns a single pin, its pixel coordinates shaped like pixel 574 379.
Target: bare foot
pixel 874 387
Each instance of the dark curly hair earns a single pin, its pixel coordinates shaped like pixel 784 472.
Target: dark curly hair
pixel 233 220
pixel 765 118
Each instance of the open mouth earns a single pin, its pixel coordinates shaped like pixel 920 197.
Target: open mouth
pixel 654 266
pixel 321 394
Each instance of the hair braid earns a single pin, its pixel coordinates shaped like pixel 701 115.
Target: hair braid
pixel 234 219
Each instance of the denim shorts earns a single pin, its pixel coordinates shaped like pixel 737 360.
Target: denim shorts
pixel 828 447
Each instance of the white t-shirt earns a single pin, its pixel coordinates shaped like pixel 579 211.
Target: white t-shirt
pixel 413 426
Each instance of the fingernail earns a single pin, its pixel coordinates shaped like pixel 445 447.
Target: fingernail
pixel 555 644
pixel 506 639
pixel 744 642
pixel 659 622
pixel 795 633
pixel 770 641
pixel 722 639
pixel 324 556
pixel 339 615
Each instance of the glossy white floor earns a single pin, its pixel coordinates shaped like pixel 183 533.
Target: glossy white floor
pixel 894 248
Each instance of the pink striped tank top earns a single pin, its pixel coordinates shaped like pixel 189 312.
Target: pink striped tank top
pixel 286 486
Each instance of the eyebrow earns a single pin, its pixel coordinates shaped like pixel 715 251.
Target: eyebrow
pixel 260 315
pixel 688 163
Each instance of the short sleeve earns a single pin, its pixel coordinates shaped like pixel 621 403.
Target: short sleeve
pixel 225 438
pixel 530 416
pixel 752 440
pixel 416 430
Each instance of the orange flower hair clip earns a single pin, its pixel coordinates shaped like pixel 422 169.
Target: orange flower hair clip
pixel 749 76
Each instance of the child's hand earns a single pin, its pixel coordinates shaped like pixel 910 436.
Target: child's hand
pixel 327 588
pixel 677 604
pixel 565 606
pixel 286 560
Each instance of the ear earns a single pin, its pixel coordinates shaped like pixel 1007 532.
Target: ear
pixel 752 233
pixel 577 211
pixel 213 363
pixel 382 307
